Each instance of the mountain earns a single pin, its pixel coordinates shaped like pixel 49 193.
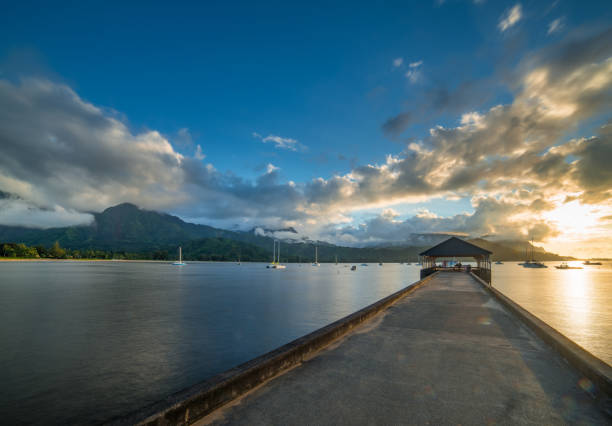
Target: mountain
pixel 515 250
pixel 128 228
pixel 123 227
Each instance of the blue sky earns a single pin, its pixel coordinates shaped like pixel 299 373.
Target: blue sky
pixel 226 76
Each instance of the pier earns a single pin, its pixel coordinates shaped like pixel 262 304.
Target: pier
pixel 449 352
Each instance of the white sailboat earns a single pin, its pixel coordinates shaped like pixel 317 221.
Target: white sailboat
pixel 180 261
pixel 276 258
pixel 531 263
pixel 316 262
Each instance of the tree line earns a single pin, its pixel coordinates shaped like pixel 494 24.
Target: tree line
pixel 22 251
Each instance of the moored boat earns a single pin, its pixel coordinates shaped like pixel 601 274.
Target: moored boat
pixel 532 263
pixel 276 258
pixel 564 265
pixel 180 261
pixel 316 262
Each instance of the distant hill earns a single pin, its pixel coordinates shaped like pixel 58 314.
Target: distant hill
pixel 128 228
pixel 515 250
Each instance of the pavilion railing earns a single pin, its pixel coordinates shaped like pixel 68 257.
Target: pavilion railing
pixel 428 271
pixel 483 274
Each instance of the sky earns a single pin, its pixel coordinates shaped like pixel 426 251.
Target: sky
pixel 356 123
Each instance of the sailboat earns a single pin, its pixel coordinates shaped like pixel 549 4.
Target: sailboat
pixel 276 258
pixel 316 262
pixel 180 261
pixel 532 263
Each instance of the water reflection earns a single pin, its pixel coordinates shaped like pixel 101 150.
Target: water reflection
pixel 89 340
pixel 575 302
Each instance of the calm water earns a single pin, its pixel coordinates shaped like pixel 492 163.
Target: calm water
pixel 83 342
pixel 577 302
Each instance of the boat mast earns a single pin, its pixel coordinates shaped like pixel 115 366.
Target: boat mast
pixel 180 254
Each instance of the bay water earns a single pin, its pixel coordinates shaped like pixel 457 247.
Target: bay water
pixel 82 342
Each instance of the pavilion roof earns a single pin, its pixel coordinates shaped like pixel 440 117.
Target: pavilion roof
pixel 455 247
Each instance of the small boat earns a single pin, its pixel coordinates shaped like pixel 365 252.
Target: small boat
pixel 379 263
pixel 532 264
pixel 180 261
pixel 588 262
pixel 353 268
pixel 499 262
pixel 316 262
pixel 408 263
pixel 364 264
pixel 564 265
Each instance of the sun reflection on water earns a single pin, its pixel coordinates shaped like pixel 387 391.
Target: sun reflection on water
pixel 573 301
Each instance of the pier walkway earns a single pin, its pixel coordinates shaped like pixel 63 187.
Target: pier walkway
pixel 448 353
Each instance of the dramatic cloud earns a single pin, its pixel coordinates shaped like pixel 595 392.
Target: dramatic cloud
pixel 57 149
pixel 510 18
pixel 512 152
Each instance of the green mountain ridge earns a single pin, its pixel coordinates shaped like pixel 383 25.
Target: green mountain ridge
pixel 127 228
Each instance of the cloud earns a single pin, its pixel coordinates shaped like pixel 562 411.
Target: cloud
pixel 510 18
pixel 58 149
pixel 280 142
pixel 397 62
pixel 506 150
pixel 183 138
pixel 396 125
pixel 414 72
pixel 18 212
pixel 555 26
pixel 271 168
pixel 503 219
pixel 199 155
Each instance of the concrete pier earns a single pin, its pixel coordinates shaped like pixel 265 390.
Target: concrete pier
pixel 448 353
